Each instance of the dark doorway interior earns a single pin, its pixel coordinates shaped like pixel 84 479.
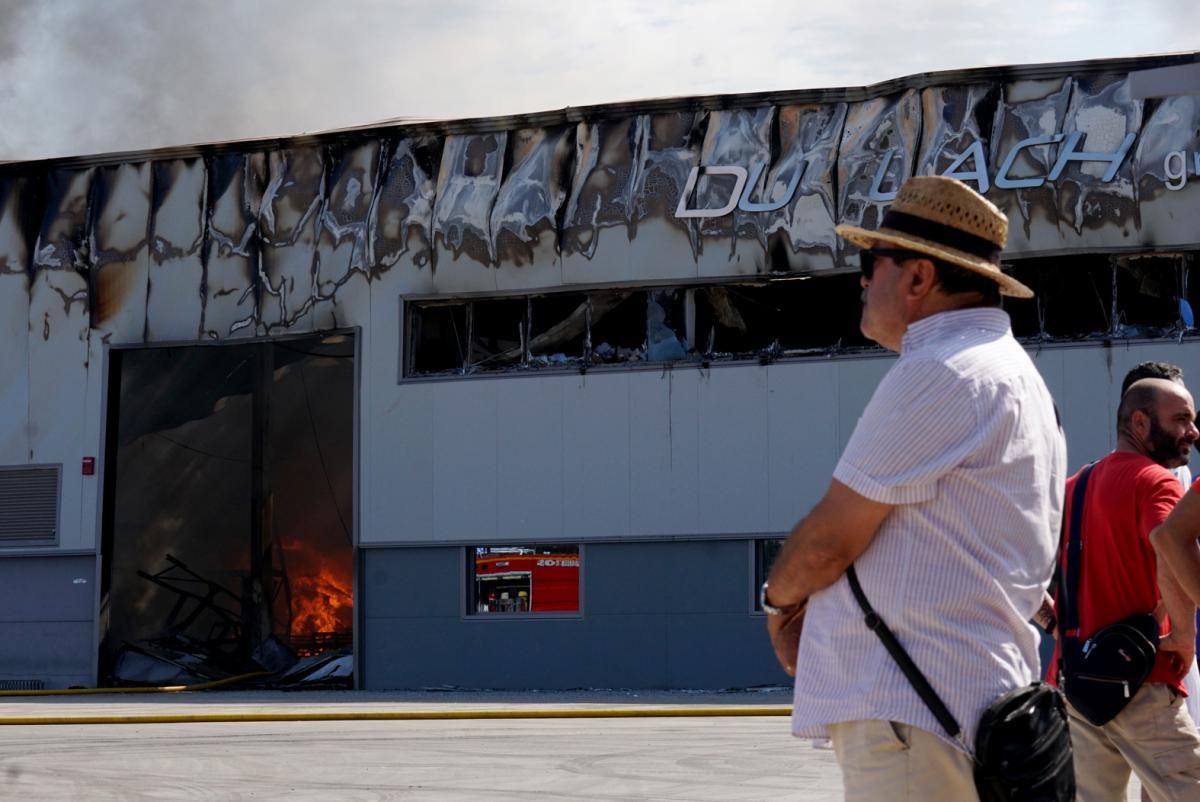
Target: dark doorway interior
pixel 227 545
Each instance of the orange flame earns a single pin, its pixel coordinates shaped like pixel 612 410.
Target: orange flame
pixel 322 600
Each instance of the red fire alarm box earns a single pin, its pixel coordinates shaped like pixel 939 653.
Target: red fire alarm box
pixel 89 466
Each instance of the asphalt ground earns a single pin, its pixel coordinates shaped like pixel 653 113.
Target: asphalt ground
pixel 671 746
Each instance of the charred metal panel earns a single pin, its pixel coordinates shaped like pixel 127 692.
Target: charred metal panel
pixel 1093 207
pixel 119 251
pixel 401 231
pixel 15 247
pixel 955 121
pixel 59 337
pixel 341 293
pixel 231 250
pixel 666 246
pixel 525 217
pixel 801 232
pixel 469 180
pixel 608 159
pixel 1167 171
pixel 1031 113
pixel 736 242
pixel 289 216
pixel 175 302
pixel 877 152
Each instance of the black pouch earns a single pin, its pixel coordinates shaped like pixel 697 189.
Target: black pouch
pixel 1023 748
pixel 1102 674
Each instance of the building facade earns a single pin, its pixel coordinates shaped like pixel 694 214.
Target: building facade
pixel 521 402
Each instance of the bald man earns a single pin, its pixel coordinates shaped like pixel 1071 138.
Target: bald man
pixel 1130 492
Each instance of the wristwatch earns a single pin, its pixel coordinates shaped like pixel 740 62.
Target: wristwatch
pixel 771 609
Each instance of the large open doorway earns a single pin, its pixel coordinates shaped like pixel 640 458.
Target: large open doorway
pixel 227 545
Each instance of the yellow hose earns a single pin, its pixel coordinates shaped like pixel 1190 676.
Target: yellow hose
pixel 202 686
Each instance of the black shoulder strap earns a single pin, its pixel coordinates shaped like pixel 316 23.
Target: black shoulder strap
pixel 1068 591
pixel 915 677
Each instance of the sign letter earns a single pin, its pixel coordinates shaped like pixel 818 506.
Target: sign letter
pixel 1069 154
pixel 739 174
pixel 876 194
pixel 1002 179
pixel 747 205
pixel 1177 177
pixel 979 174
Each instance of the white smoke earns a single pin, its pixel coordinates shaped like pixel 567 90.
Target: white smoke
pixel 81 76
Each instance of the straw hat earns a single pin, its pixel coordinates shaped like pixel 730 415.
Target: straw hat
pixel 948 220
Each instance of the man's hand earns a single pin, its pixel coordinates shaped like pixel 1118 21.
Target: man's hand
pixel 1179 644
pixel 785 637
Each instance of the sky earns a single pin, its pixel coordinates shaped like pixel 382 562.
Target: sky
pixel 95 76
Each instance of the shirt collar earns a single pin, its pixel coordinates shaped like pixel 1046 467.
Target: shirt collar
pixel 946 324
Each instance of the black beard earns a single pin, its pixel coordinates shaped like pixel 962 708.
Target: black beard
pixel 1161 447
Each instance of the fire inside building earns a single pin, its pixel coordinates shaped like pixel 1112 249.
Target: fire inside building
pixel 521 402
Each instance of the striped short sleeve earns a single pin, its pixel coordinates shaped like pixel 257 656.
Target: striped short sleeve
pixel 921 422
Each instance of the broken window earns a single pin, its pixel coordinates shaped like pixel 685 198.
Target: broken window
pixel 558 325
pixel 1073 298
pixel 618 328
pixel 1152 295
pixel 1100 296
pixel 499 330
pixel 438 338
pixel 523 579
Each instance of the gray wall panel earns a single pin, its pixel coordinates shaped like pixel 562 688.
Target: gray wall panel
pixel 46 620
pixel 41 589
pixel 656 615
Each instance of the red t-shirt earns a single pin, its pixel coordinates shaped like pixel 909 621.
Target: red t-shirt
pixel 1127 496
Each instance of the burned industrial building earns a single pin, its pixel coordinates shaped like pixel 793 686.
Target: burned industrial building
pixel 527 401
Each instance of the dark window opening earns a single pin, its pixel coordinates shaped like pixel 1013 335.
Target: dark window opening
pixel 558 325
pixel 523 579
pixel 1072 298
pixel 439 339
pixel 1101 297
pixel 1152 296
pixel 618 326
pixel 795 316
pixel 499 330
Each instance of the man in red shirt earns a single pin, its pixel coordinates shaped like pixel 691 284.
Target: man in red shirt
pixel 1129 493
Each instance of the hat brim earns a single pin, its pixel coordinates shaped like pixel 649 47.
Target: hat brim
pixel 865 238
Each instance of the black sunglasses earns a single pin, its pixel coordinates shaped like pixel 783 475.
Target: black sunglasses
pixel 867 258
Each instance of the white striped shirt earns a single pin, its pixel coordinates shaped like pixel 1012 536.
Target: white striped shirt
pixel 962 436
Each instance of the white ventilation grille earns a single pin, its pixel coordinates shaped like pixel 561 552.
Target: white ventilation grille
pixel 29 505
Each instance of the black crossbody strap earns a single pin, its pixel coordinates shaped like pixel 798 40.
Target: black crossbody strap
pixel 915 677
pixel 1067 603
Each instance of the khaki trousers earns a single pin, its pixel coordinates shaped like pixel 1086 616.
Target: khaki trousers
pixel 885 760
pixel 1154 736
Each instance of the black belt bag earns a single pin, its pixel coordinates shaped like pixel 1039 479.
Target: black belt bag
pixel 1100 675
pixel 1022 750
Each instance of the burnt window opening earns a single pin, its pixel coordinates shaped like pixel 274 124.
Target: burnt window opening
pixel 1095 296
pixel 618 327
pixel 498 332
pixel 1152 295
pixel 439 338
pixel 558 326
pixel 793 317
pixel 800 315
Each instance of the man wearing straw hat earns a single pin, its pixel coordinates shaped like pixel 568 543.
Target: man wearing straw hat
pixel 947 500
